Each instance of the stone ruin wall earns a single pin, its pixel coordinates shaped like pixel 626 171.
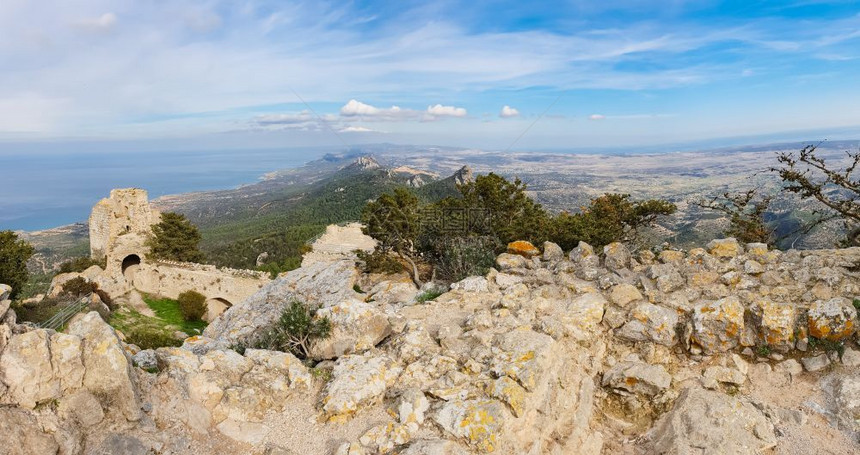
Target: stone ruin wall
pixel 119 227
pixel 125 212
pixel 222 287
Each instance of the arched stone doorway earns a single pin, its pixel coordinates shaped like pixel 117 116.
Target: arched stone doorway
pixel 129 266
pixel 214 308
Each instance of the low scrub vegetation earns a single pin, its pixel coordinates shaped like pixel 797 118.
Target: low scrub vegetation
pixel 144 331
pixel 460 236
pixel 192 305
pixel 78 287
pixel 79 264
pixel 170 313
pixel 295 330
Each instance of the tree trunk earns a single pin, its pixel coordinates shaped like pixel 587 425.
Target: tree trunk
pixel 415 277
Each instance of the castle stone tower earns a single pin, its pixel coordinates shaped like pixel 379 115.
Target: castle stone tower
pixel 122 221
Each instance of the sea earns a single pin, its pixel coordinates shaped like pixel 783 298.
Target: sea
pixel 50 189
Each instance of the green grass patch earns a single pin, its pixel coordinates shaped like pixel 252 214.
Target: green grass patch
pixel 146 332
pixel 428 295
pixel 168 311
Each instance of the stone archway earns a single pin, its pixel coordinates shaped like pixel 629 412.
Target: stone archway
pixel 129 267
pixel 214 308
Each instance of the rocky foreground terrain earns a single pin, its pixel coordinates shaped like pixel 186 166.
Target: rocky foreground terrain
pixel 729 349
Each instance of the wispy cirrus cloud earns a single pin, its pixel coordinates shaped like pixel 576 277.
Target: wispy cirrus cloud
pixel 101 69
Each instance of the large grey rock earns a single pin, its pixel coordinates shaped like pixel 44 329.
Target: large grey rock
pixel 649 322
pixel 356 327
pixel 637 377
pixel 552 252
pixel 843 393
pixel 145 359
pixel 5 292
pixel 717 325
pixel 584 256
pixel 478 423
pixel 834 319
pixel 320 284
pixel 37 366
pixel 20 434
pixel 616 256
pixel 116 443
pixel 711 423
pixel 358 381
pixel 109 371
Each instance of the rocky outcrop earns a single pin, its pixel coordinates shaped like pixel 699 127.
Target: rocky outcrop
pixel 708 422
pixel 616 351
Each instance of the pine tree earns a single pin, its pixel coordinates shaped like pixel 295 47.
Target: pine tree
pixel 175 239
pixel 14 254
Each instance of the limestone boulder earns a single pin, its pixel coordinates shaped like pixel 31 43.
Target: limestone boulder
pixel 670 282
pixel 843 393
pixel 578 318
pixel 109 371
pixel 717 325
pixel 649 322
pixel 146 359
pixel 624 293
pixel 777 323
pixel 356 327
pixel 637 378
pixel 725 248
pixel 552 252
pixel 358 381
pixel 5 292
pixel 711 423
pixel 320 284
pixel 26 369
pixel 616 256
pixel 472 284
pixel 393 292
pixel 671 256
pixel 20 434
pixel 508 261
pixel 834 319
pixel 584 256
pixel 524 355
pixel 478 423
pixel 83 407
pixel 523 248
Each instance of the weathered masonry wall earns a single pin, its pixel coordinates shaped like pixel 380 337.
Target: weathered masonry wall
pixel 222 287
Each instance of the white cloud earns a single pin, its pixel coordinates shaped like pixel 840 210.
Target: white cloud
pixel 596 117
pixel 508 112
pixel 446 111
pixel 355 108
pixel 357 129
pixel 105 22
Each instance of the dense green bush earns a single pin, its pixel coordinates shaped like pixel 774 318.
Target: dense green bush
pixel 175 238
pixel 295 330
pixel 746 212
pixel 149 338
pixel 78 287
pixel 460 237
pixel 79 264
pixel 378 261
pixel 461 257
pixel 608 218
pixel 192 304
pixel 14 254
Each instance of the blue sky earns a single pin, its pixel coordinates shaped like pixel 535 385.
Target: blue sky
pixel 169 73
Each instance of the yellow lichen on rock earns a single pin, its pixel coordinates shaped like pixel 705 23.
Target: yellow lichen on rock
pixel 523 248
